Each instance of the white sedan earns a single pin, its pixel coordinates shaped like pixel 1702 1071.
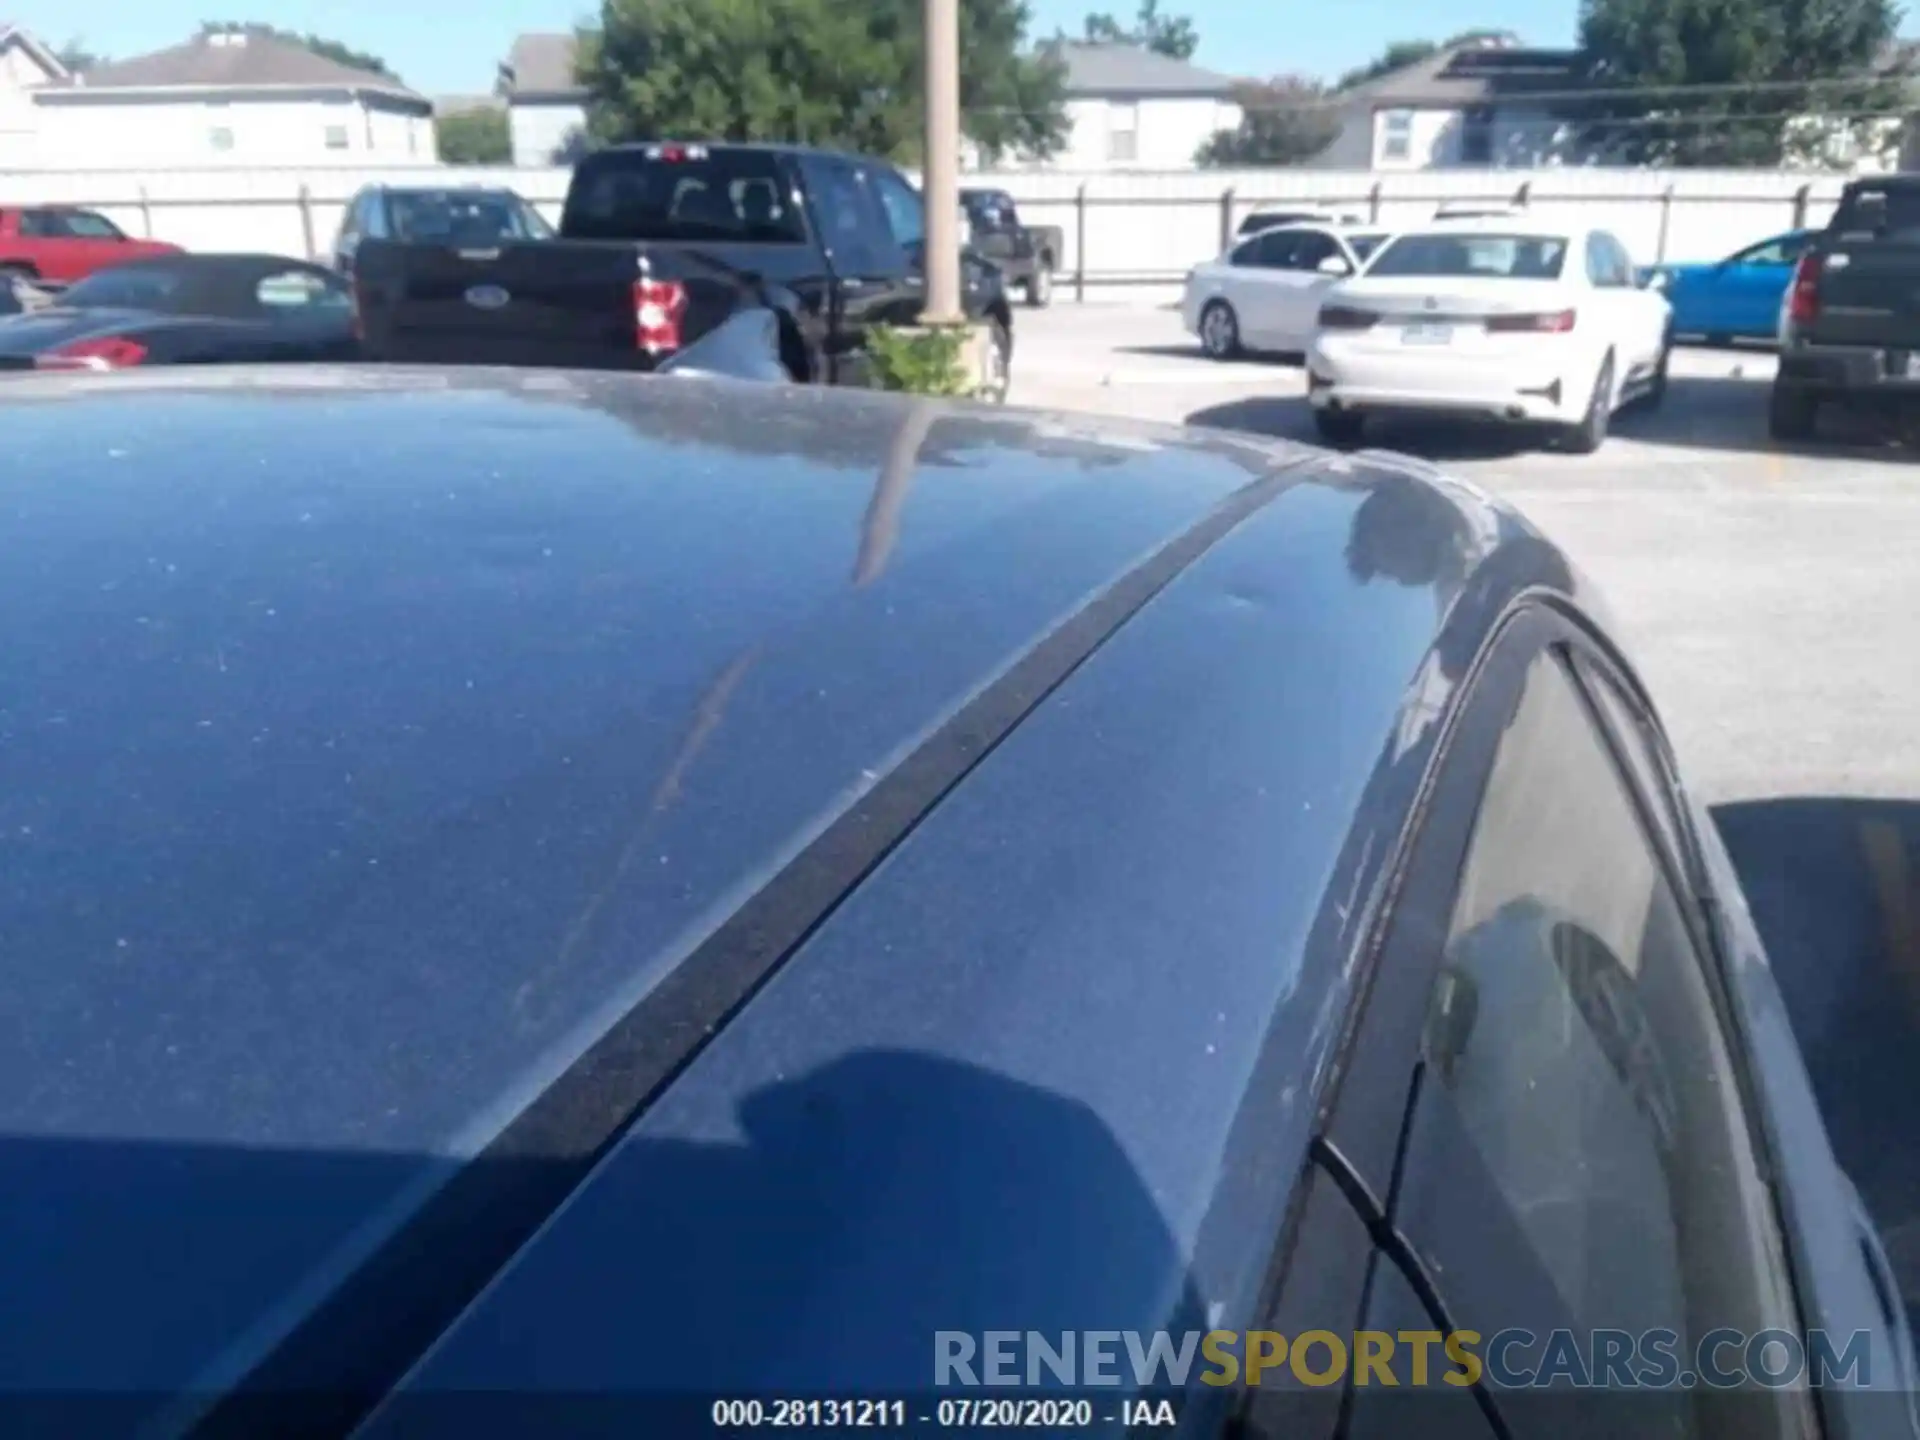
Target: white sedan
pixel 1265 293
pixel 1504 318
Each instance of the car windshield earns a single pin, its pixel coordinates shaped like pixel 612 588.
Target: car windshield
pixel 1888 211
pixel 1472 255
pixel 128 287
pixel 682 193
pixel 450 217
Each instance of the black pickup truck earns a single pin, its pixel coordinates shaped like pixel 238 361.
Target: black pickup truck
pixel 662 244
pixel 1028 255
pixel 1850 327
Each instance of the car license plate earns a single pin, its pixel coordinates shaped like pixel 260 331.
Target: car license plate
pixel 1427 335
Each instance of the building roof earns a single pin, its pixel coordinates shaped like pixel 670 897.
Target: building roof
pixel 42 55
pixel 1473 73
pixel 237 60
pixel 541 66
pixel 1116 69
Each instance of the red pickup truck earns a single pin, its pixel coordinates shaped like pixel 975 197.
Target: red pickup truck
pixel 58 244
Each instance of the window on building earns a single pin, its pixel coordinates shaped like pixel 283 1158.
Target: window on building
pixel 336 137
pixel 1396 135
pixel 220 137
pixel 1476 136
pixel 1123 131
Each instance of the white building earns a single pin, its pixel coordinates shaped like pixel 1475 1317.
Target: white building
pixel 240 97
pixel 1134 109
pixel 25 67
pixel 546 105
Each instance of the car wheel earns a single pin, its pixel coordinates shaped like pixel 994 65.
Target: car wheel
pixel 1040 286
pixel 1340 428
pixel 1590 433
pixel 999 377
pixel 1219 330
pixel 1791 413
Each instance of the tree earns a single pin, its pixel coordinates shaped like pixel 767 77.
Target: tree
pixel 1722 82
pixel 845 73
pixel 77 57
pixel 1403 53
pixel 1284 121
pixel 333 50
pixel 474 137
pixel 1172 35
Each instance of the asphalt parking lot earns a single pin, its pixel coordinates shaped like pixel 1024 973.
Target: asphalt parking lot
pixel 1771 599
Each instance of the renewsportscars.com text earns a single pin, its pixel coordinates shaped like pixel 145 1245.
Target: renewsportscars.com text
pixel 1510 1359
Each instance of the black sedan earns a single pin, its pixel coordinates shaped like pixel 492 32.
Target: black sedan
pixel 565 904
pixel 187 310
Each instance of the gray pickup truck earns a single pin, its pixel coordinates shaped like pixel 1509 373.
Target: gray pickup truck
pixel 1027 255
pixel 1850 326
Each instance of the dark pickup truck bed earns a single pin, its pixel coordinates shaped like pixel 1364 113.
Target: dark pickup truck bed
pixel 1850 332
pixel 659 246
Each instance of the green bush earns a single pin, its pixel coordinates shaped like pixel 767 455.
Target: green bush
pixel 920 362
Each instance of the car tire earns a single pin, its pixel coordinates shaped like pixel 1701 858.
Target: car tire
pixel 1792 413
pixel 1040 285
pixel 1341 429
pixel 1219 330
pixel 1589 433
pixel 19 272
pixel 1656 395
pixel 999 363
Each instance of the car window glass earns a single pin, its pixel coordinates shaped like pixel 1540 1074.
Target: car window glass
pixel 1881 209
pixel 1274 249
pixel 1479 256
pixel 1599 267
pixel 681 193
pixel 1363 246
pixel 299 292
pixel 906 215
pixel 1311 248
pixel 1774 252
pixel 42 224
pixel 851 220
pixel 1246 253
pixel 1575 1035
pixel 85 225
pixel 126 287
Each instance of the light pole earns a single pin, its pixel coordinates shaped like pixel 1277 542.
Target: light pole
pixel 942 190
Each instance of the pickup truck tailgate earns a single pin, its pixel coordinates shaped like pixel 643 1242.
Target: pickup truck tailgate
pixel 1869 294
pixel 535 303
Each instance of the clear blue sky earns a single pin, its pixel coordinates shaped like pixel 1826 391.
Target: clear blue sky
pixel 451 46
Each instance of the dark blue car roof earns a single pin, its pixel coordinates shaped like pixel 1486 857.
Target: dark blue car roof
pixel 374 745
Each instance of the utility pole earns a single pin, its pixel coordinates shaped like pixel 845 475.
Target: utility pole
pixel 942 188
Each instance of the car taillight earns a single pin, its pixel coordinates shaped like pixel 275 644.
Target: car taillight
pixel 1346 317
pixel 1557 322
pixel 658 306
pixel 1803 300
pixel 103 352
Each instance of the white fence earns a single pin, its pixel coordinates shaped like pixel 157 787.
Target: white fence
pixel 1120 230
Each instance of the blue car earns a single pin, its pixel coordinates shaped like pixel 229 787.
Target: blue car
pixel 565 904
pixel 1737 298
